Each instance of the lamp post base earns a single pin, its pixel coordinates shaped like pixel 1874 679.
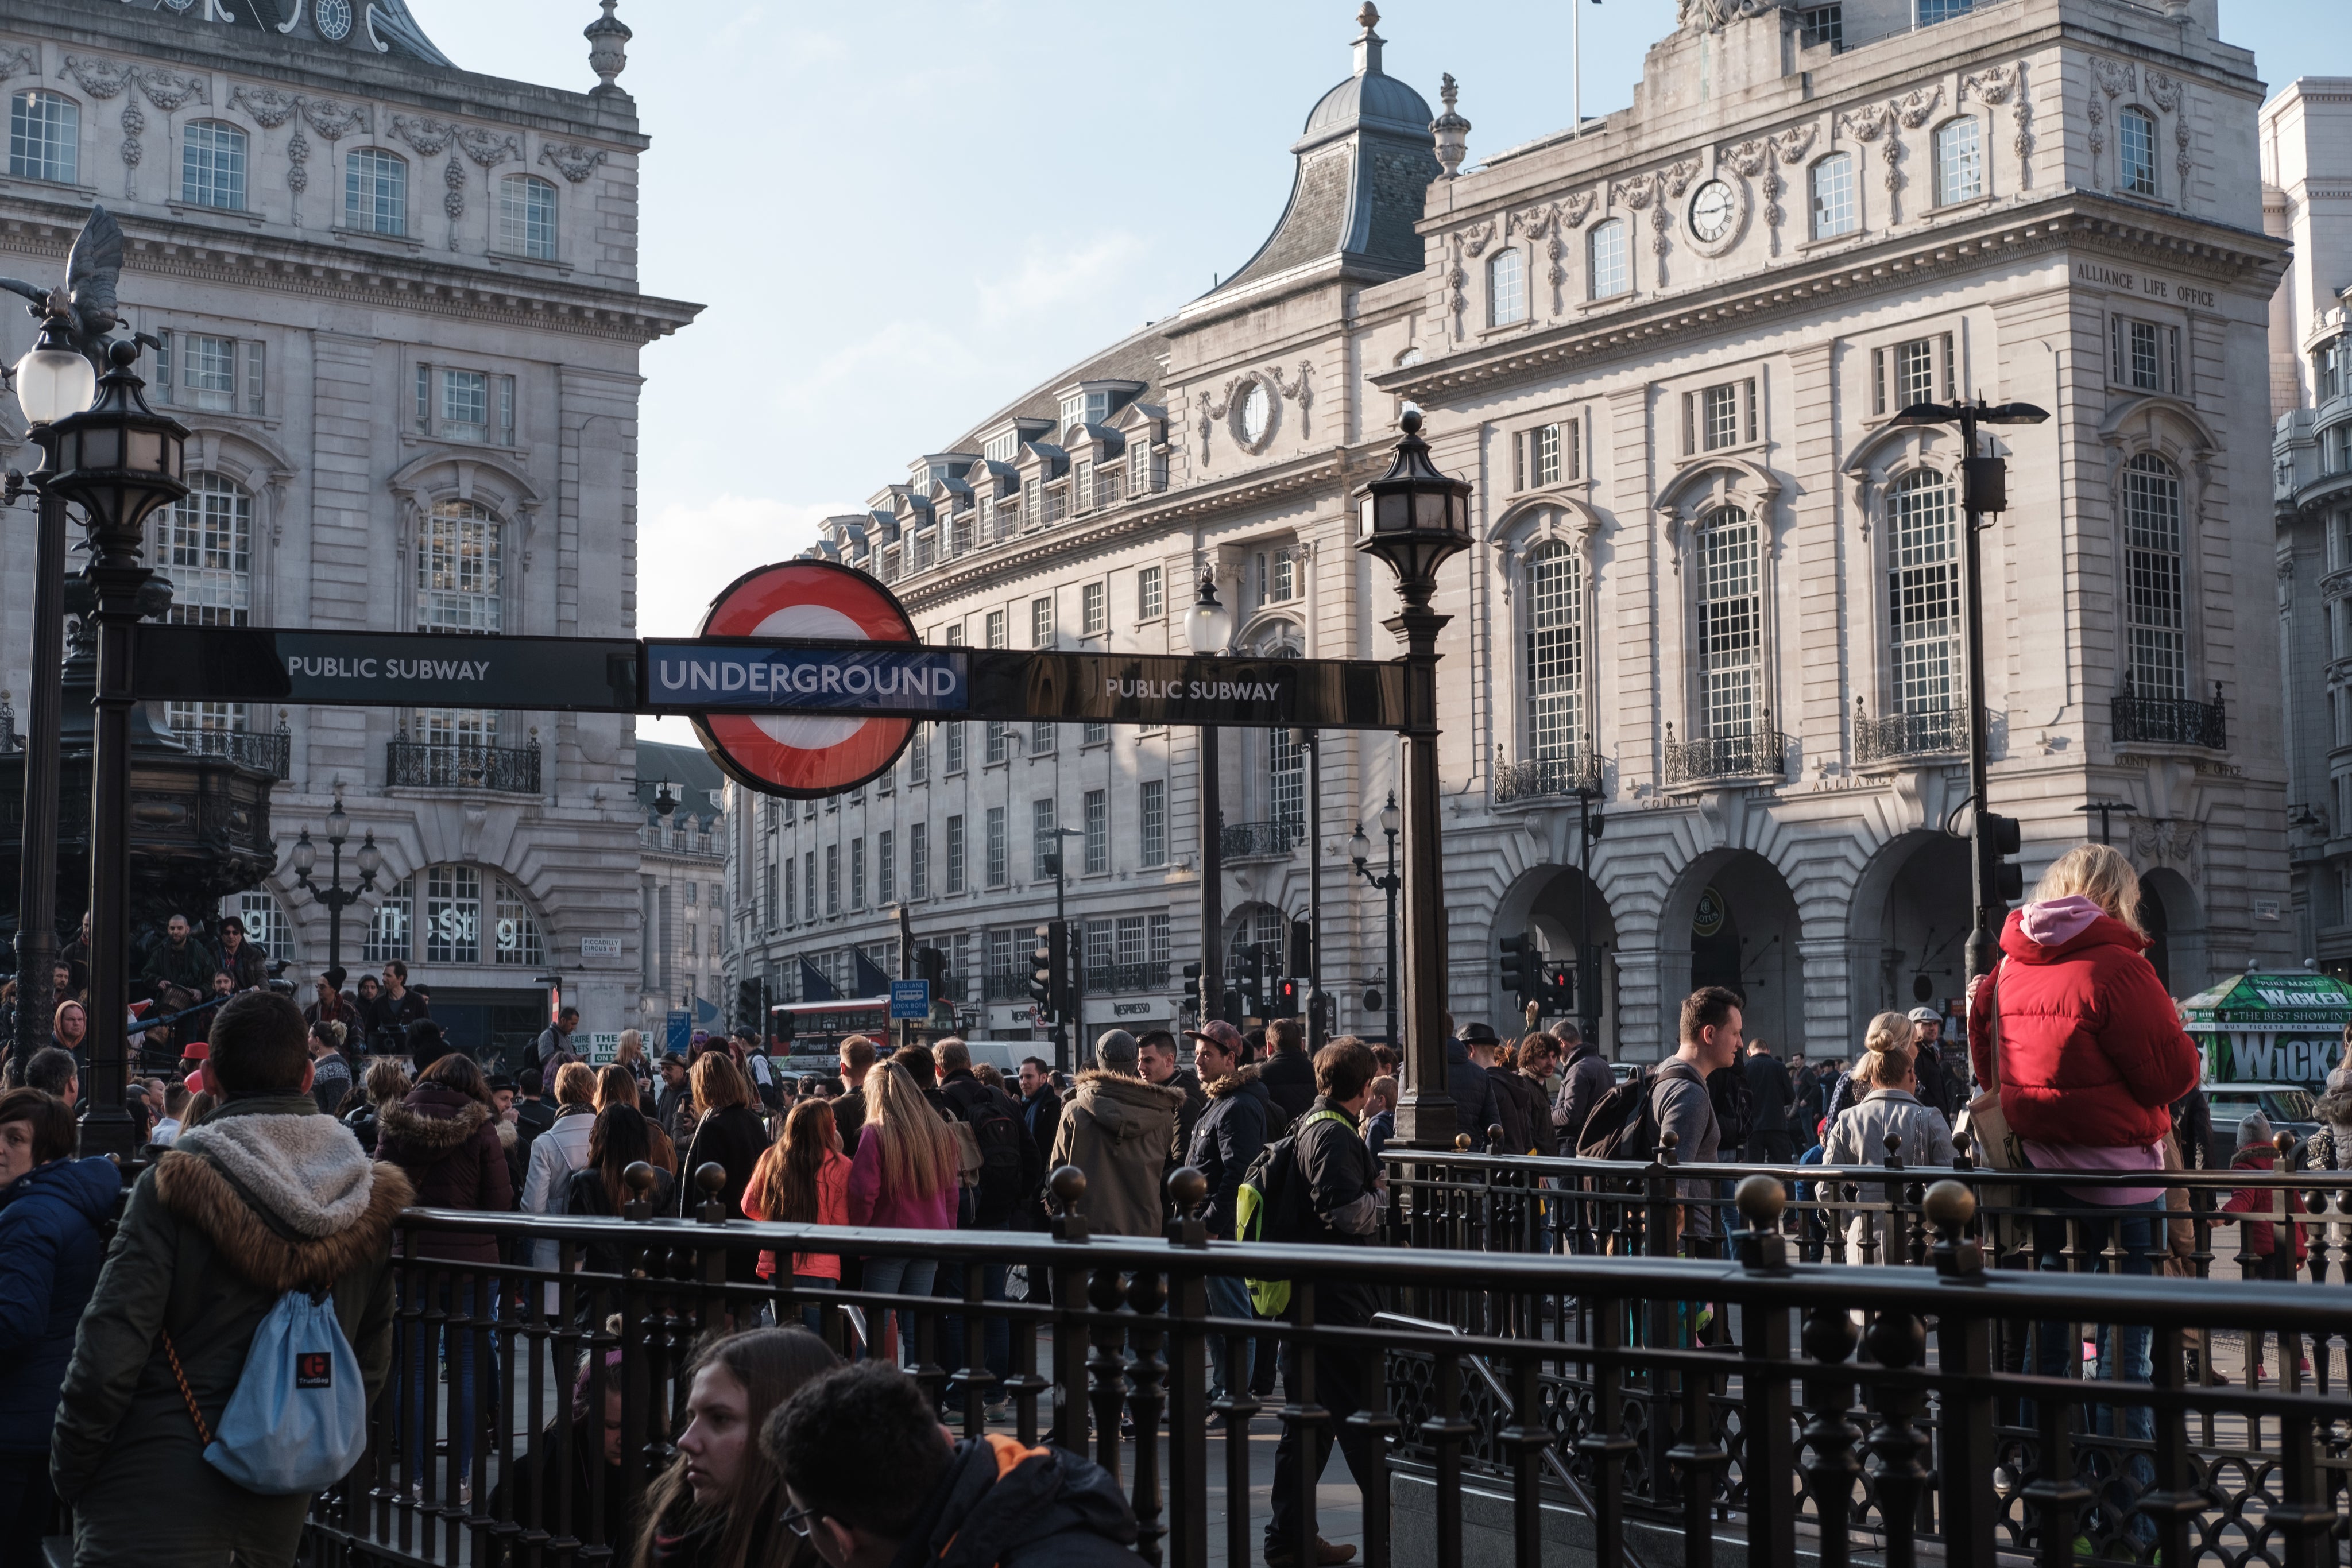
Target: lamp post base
pixel 1426 1121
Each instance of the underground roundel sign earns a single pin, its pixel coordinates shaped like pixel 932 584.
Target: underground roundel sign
pixel 805 756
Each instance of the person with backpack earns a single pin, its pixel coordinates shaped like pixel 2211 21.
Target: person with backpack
pixel 1518 1102
pixel 1010 1168
pixel 1118 1130
pixel 1322 1188
pixel 1584 1078
pixel 1633 1119
pixel 1226 1138
pixel 232 1229
pixel 1735 1108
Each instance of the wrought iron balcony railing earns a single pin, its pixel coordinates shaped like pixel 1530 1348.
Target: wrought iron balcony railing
pixel 2169 721
pixel 416 764
pixel 1547 777
pixel 269 751
pixel 1760 753
pixel 1112 979
pixel 1007 985
pixel 1897 734
pixel 1261 841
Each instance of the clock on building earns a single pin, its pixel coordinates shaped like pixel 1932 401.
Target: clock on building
pixel 1712 210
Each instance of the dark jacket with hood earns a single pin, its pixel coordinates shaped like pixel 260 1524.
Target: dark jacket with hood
pixel 1224 1140
pixel 1001 1505
pixel 453 1153
pixel 267 1196
pixel 1118 1130
pixel 49 1254
pixel 1474 1094
pixel 1518 1106
pixel 1289 1080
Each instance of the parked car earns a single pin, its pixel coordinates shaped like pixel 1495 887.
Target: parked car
pixel 2288 1107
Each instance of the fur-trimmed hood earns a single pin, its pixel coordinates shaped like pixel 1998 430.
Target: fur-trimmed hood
pixel 1232 1082
pixel 431 1123
pixel 2335 1108
pixel 289 1198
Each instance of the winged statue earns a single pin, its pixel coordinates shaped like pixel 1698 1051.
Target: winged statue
pixel 85 301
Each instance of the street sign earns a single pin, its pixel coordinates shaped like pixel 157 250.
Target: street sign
pixel 910 1000
pixel 1159 689
pixel 600 947
pixel 706 675
pixel 816 755
pixel 384 669
pixel 677 1031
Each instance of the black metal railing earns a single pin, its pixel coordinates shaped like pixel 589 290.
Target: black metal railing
pixel 1547 777
pixel 1007 985
pixel 1261 841
pixel 1935 733
pixel 1647 1393
pixel 1758 754
pixel 9 740
pixel 1112 979
pixel 267 751
pixel 2169 721
pixel 508 769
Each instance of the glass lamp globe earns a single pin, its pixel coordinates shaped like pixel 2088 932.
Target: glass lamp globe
pixel 371 859
pixel 304 855
pixel 1209 626
pixel 53 380
pixel 1390 817
pixel 1360 846
pixel 339 825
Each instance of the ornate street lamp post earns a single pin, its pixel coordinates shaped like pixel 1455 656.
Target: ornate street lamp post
pixel 1360 850
pixel 118 460
pixel 335 895
pixel 52 380
pixel 1209 627
pixel 1417 519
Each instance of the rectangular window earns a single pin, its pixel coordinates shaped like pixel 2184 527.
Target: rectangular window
pixel 1042 737
pixel 2158 618
pixel 423 402
pixel 2135 154
pixel 1094 734
pixel 1933 11
pixel 375 192
pixel 527 217
pixel 2145 355
pixel 1044 843
pixel 1730 623
pixel 1914 373
pixel 954 748
pixel 808 886
pixel 919 861
pixel 1092 613
pixel 212 166
pixel 1002 446
pixel 1959 163
pixel 1000 849
pixel 885 867
pixel 1099 938
pixel 995 629
pixel 1543 456
pixel 1611 272
pixel 506 410
pixel 791 890
pixel 955 854
pixel 1823 25
pixel 919 756
pixel 1097 828
pixel 1835 211
pixel 1148 604
pixel 1726 415
pixel 1041 621
pixel 388 933
pixel 1152 820
pixel 1000 956
pixel 211 371
pixel 464 405
pixel 1130 946
pixel 994 733
pixel 832 879
pixel 45 138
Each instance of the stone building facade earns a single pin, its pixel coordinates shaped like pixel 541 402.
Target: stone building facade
pixel 2307 146
pixel 682 840
pixel 1712 581
pixel 400 313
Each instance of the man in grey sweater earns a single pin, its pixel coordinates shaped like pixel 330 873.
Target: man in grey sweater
pixel 1710 1041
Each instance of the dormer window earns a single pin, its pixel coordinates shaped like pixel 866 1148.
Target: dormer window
pixel 1002 446
pixel 1080 408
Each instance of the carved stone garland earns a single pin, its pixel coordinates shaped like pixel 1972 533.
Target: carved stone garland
pixel 1995 85
pixel 1868 124
pixel 19 62
pixel 333 121
pixel 1656 193
pixel 2166 92
pixel 572 161
pixel 2113 78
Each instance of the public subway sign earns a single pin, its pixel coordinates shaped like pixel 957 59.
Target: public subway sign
pixel 384 669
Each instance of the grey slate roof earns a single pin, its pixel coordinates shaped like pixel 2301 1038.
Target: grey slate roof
pixel 373 22
pixel 691 776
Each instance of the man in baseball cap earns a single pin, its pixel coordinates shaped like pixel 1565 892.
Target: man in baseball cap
pixel 1938 1084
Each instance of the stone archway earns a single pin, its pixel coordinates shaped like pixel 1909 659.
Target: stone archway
pixel 1546 903
pixel 1907 926
pixel 2174 918
pixel 1732 921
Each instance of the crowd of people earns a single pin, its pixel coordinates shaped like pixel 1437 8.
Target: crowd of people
pixel 283 1160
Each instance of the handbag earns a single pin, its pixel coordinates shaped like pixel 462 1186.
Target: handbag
pixel 1991 1143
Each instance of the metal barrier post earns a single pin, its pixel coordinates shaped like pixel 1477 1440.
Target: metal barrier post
pixel 1188 1366
pixel 1767 1416
pixel 1965 1450
pixel 1833 1467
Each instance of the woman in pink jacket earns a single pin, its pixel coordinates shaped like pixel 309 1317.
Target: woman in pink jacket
pixel 904 1178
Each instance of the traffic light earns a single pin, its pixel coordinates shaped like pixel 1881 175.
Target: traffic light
pixel 1302 948
pixel 1041 970
pixel 1253 984
pixel 1193 991
pixel 752 1003
pixel 1518 959
pixel 1288 992
pixel 1558 994
pixel 2004 879
pixel 931 965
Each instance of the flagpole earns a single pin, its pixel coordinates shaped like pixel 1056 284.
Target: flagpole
pixel 1576 58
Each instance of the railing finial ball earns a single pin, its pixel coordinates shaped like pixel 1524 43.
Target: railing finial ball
pixel 711 1175
pixel 1069 1184
pixel 1761 1200
pixel 640 1175
pixel 1188 1187
pixel 1461 1143
pixel 1949 1205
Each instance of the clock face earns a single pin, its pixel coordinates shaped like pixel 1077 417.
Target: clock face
pixel 1711 211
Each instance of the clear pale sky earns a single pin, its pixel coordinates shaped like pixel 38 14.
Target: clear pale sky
pixel 903 215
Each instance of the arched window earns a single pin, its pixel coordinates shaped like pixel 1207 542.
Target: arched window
pixel 212 165
pixel 2156 612
pixel 458 567
pixel 1507 287
pixel 45 138
pixel 375 192
pixel 2135 153
pixel 1731 630
pixel 1286 771
pixel 527 217
pixel 1835 211
pixel 1923 583
pixel 266 925
pixel 1608 268
pixel 453 915
pixel 1959 162
pixel 1555 670
pixel 204 546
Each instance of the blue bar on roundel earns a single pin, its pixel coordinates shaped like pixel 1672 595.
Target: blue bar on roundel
pixel 716 677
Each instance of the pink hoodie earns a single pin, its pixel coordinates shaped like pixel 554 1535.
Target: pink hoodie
pixel 2059 921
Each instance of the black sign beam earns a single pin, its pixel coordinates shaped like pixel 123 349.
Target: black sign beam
pixel 385 669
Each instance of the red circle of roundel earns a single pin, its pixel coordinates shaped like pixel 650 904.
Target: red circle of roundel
pixel 805 756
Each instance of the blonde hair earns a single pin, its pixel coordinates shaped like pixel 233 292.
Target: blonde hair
pixel 387 1080
pixel 575 1084
pixel 630 1046
pixel 2099 872
pixel 919 1154
pixel 1886 1051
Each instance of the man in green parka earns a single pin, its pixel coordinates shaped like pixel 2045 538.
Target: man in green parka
pixel 267 1196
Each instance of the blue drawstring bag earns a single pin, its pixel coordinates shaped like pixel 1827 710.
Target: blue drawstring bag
pixel 297 1421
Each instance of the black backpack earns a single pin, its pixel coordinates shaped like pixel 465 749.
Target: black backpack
pixel 1734 1102
pixel 1623 1123
pixel 996 1125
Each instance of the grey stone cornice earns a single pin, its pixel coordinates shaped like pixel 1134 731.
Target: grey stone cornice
pixel 429 281
pixel 1334 467
pixel 1894 263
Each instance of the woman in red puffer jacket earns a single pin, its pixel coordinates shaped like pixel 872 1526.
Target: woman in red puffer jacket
pixel 2091 1057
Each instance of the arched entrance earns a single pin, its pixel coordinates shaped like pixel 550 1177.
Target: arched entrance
pixel 1731 921
pixel 1257 943
pixel 2175 923
pixel 1548 903
pixel 1908 927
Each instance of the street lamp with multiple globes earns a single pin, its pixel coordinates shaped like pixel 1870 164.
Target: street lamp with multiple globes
pixel 119 461
pixel 1360 850
pixel 1209 629
pixel 304 857
pixel 53 379
pixel 1417 519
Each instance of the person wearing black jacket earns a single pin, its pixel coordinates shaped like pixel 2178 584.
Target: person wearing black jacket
pixel 1771 1095
pixel 728 1132
pixel 1475 1110
pixel 997 1202
pixel 1288 1073
pixel 1939 1086
pixel 1333 1198
pixel 1227 1138
pixel 1155 1058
